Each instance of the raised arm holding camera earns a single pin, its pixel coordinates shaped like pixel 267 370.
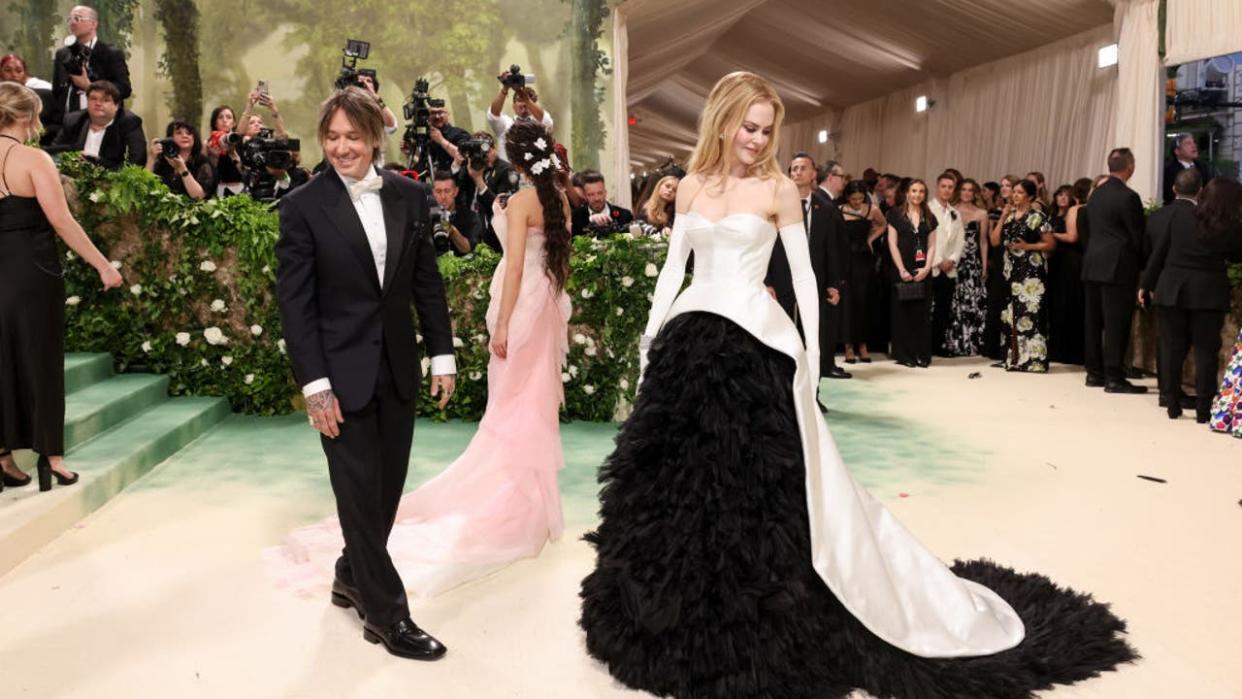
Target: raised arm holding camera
pixel 84 60
pixel 368 80
pixel 525 104
pixel 261 96
pixel 178 160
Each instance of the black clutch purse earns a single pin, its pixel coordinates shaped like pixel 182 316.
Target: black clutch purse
pixel 911 291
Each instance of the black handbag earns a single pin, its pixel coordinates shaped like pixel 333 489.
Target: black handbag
pixel 911 291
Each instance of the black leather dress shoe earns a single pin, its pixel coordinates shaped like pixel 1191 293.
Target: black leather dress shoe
pixel 1123 386
pixel 923 363
pixel 404 639
pixel 1095 381
pixel 838 373
pixel 346 597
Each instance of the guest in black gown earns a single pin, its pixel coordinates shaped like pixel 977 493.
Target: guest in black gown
pixel 864 224
pixel 998 288
pixel 32 295
pixel 912 244
pixel 1067 300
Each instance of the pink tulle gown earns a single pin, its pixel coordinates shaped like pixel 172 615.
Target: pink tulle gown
pixel 499 501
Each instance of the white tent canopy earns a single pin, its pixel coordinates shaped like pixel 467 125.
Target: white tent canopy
pixel 1016 86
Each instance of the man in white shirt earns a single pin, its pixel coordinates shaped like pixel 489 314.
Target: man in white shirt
pixel 353 255
pixel 104 133
pixel 525 106
pixel 950 241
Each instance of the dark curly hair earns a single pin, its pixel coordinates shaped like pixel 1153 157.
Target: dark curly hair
pixel 528 144
pixel 1220 209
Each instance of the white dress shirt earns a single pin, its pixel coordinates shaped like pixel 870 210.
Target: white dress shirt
pixel 371 213
pixel 950 237
pixel 500 126
pixel 94 139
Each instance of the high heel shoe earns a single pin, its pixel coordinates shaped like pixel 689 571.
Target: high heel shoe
pixel 46 473
pixel 11 481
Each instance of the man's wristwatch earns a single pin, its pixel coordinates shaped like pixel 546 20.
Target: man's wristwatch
pixel 184 173
pixel 381 101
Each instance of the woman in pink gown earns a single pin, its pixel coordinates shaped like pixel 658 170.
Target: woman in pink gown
pixel 499 501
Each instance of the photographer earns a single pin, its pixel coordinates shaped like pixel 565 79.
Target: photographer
pixel 87 60
pixel 525 105
pixel 445 140
pixel 179 161
pixel 272 166
pixel 368 81
pixel 225 163
pixel 484 178
pixel 250 123
pixel 453 227
pixel 105 133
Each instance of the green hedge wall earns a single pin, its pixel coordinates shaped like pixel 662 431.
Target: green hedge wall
pixel 199 304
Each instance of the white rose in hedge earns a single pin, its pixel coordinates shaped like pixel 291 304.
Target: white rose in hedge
pixel 266 270
pixel 280 345
pixel 256 330
pixel 203 362
pixel 207 266
pixel 116 264
pixel 620 311
pixel 476 375
pixel 136 290
pixel 579 339
pixel 591 351
pixel 588 389
pixel 73 301
pixel 426 364
pixel 249 379
pixel 218 306
pixel 573 371
pixel 215 336
pixel 586 293
pixel 625 385
pixel 146 347
pixel 226 360
pixel 458 343
pixel 183 339
pixel 69 255
pixel 418 338
pixel 627 282
pixel 96 196
pixel 651 270
pixel 564 377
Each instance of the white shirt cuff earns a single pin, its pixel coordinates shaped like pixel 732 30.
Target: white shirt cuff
pixel 390 130
pixel 316 386
pixel 443 365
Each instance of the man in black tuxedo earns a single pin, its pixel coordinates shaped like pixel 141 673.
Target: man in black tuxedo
pixel 1188 279
pixel 354 252
pixel 103 132
pixel 102 62
pixel 597 217
pixel 836 268
pixel 1185 157
pixel 1110 269
pixel 820 218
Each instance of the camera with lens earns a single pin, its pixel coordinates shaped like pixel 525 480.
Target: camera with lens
pixel 264 151
pixel 515 79
pixel 441 226
pixel 417 111
pixel 79 57
pixel 354 51
pixel 169 147
pixel 475 150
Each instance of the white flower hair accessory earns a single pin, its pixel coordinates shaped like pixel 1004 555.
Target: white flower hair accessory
pixel 541 144
pixel 540 166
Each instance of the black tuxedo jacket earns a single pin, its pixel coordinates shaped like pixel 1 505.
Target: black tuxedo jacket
pixel 1172 167
pixel 621 220
pixel 106 63
pixel 123 141
pixel 1115 247
pixel 470 225
pixel 829 248
pixel 335 316
pixel 1185 270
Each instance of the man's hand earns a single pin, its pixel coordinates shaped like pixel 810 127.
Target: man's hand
pixel 325 413
pixel 600 219
pixel 437 136
pixel 443 386
pixel 80 80
pixel 834 296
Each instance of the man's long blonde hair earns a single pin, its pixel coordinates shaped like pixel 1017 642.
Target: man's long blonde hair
pixel 726 108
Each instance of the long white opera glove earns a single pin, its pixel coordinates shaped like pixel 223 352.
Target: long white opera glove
pixel 671 278
pixel 793 237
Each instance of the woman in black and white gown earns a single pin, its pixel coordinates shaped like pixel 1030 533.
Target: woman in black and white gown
pixel 737 557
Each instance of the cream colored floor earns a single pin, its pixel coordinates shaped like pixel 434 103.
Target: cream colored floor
pixel 161 592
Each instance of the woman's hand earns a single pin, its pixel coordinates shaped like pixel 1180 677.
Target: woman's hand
pixel 109 277
pixel 922 274
pixel 906 276
pixel 156 150
pixel 500 340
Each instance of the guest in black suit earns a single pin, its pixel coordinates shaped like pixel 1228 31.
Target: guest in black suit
pixel 103 62
pixel 597 217
pixel 1110 270
pixel 832 317
pixel 104 133
pixel 354 252
pixel 1185 157
pixel 1188 279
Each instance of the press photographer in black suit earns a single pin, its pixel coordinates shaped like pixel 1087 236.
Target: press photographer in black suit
pixel 597 217
pixel 104 132
pixel 90 60
pixel 1110 271
pixel 353 255
pixel 1187 277
pixel 453 228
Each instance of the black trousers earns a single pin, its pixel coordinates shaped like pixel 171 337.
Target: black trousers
pixel 912 329
pixel 942 310
pixel 1110 310
pixel 367 465
pixel 831 327
pixel 1202 329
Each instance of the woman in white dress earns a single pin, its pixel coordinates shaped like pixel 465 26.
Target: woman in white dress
pixel 737 557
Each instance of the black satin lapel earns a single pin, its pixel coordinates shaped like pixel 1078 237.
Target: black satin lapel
pixel 395 227
pixel 343 215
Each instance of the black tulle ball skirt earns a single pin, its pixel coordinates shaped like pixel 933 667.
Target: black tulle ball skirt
pixel 703 586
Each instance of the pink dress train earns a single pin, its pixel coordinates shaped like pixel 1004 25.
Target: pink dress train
pixel 499 501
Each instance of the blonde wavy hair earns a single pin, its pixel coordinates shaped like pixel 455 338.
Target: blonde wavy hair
pixel 656 208
pixel 726 108
pixel 18 102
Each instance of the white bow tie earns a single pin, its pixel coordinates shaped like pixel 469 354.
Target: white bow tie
pixel 357 189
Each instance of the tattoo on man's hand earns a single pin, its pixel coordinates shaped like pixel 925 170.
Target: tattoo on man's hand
pixel 320 402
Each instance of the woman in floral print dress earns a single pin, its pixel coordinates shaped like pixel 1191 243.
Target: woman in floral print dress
pixel 1027 239
pixel 1227 408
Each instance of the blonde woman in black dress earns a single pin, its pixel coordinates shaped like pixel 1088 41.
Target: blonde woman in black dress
pixel 32 296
